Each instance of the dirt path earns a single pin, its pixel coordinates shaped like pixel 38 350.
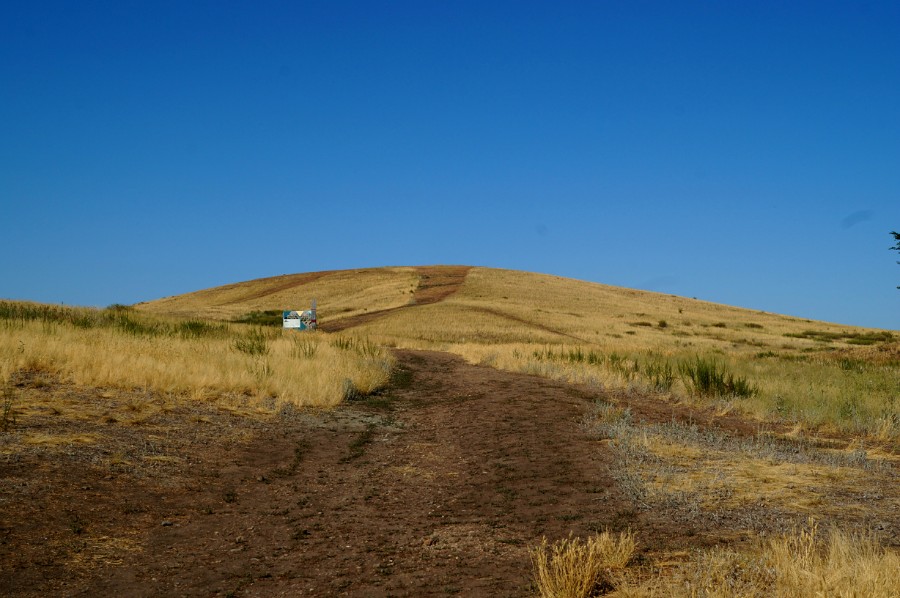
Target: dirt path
pixel 436 283
pixel 440 486
pixel 442 494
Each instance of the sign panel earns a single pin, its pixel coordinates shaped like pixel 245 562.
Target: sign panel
pixel 299 320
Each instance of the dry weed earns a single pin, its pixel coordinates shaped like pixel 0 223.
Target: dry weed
pixel 575 568
pixel 804 562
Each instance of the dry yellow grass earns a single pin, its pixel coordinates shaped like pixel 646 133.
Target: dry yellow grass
pixel 800 564
pixel 811 372
pixel 302 369
pixel 339 294
pixel 576 568
pixel 814 373
pixel 760 480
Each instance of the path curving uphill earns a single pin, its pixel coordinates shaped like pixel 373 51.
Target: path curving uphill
pixel 436 283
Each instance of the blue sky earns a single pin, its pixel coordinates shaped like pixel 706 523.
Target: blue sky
pixel 746 153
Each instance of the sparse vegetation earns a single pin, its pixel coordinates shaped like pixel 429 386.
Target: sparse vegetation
pixel 576 568
pixel 708 378
pixel 255 343
pixel 852 338
pixel 269 317
pixel 120 347
pixel 816 378
pixel 803 562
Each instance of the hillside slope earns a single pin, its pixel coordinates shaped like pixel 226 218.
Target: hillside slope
pixel 450 304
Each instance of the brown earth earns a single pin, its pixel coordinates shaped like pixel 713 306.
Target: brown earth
pixel 438 486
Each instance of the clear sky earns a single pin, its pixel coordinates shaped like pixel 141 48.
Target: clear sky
pixel 745 153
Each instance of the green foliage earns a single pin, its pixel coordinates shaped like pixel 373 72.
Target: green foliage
pixel 200 329
pixel 659 373
pixel 120 317
pixel 269 317
pixel 138 327
pixel 853 338
pixel 897 246
pixel 709 378
pixel 255 343
pixel 574 355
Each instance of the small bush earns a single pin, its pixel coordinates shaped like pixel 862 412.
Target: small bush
pixel 269 317
pixel 575 568
pixel 707 377
pixel 362 347
pixel 659 373
pixel 200 329
pixel 255 344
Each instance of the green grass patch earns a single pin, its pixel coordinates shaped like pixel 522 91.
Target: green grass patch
pixel 709 378
pixel 853 338
pixel 269 317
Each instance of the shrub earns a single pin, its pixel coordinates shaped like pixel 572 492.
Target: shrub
pixel 269 317
pixel 707 377
pixel 659 373
pixel 255 344
pixel 572 568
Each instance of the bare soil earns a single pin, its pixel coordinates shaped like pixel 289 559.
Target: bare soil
pixel 438 486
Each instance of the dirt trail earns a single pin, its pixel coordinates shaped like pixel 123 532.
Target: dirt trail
pixel 291 281
pixel 439 489
pixel 440 486
pixel 436 283
pixel 443 494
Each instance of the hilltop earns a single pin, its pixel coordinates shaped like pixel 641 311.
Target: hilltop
pixel 438 305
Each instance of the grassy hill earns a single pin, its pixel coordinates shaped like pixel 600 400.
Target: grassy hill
pixel 651 443
pixel 490 306
pixel 768 365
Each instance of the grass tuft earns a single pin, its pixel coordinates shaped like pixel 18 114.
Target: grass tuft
pixel 255 343
pixel 576 568
pixel 804 562
pixel 709 378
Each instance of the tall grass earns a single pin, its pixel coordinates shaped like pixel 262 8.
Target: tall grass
pixel 576 568
pixel 856 392
pixel 709 378
pixel 120 348
pixel 805 562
